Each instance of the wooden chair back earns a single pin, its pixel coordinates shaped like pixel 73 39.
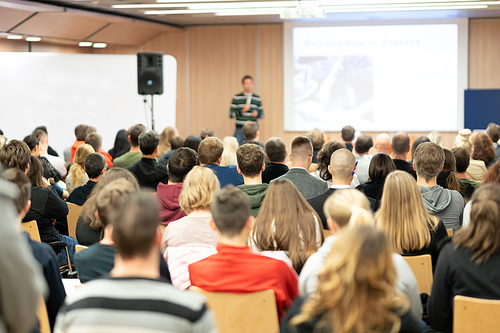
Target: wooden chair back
pixel 243 313
pixel 32 228
pixel 422 269
pixel 475 315
pixel 43 317
pixel 79 248
pixel 74 213
pixel 450 232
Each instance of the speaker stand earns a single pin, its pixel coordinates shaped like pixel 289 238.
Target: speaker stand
pixel 152 114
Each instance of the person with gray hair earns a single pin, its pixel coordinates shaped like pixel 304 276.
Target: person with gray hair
pixel 148 171
pixel 400 145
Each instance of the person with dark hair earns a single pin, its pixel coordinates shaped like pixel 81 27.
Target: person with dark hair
pixel 276 154
pixel 418 141
pixel 447 178
pixel 467 186
pixel 235 268
pixel 250 165
pixel 50 150
pixel 179 164
pixel 148 171
pixel 193 142
pixel 121 146
pixel 42 252
pixel 81 132
pixel 175 143
pixel 49 172
pixel 381 166
pixel 134 297
pixel 361 152
pixel 134 155
pixel 400 145
pixel 347 135
pixel 318 138
pixel 251 134
pixel 210 156
pixel 482 149
pixel 206 133
pixel 301 156
pixel 245 106
pixel 493 130
pixel 95 166
pixel 15 154
pixel 95 140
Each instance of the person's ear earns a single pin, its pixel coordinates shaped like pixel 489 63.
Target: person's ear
pixel 212 224
pixel 238 169
pixel 103 170
pixel 330 169
pixel 27 169
pixel 390 146
pixel 156 150
pixel 84 170
pixel 414 166
pixel 442 166
pixel 408 149
pixel 332 225
pixel 263 167
pixel 27 207
pixel 219 160
pixel 248 225
pixel 96 214
pixel 168 167
pixel 257 134
pixel 158 237
pixel 128 138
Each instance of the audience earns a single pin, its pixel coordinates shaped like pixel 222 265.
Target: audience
pixel 361 153
pixel 356 290
pixel 230 144
pixel 493 130
pixel 301 156
pixel 417 142
pixel 347 135
pixel 48 171
pixel 318 138
pixel 468 265
pixel 134 155
pixel 477 168
pixel 206 133
pixel 95 140
pixel 121 146
pixel 135 294
pixel 49 153
pixel 234 268
pixel 191 238
pixel 38 131
pixel 166 136
pixel 381 166
pixel 179 164
pixel 210 155
pixel 448 178
pixel 250 165
pixel 447 205
pixel 382 143
pixel 95 166
pixel 77 175
pixel 276 154
pixel 405 220
pixel 400 146
pixel 193 142
pixel 175 143
pixel 286 222
pixel 436 138
pixel 81 132
pixel 483 150
pixel 251 133
pixel 467 186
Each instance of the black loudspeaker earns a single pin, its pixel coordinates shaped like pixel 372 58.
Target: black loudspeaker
pixel 150 73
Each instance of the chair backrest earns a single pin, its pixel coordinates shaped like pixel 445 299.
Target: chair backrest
pixel 243 313
pixel 450 232
pixel 74 213
pixel 422 269
pixel 475 315
pixel 32 228
pixel 43 317
pixel 79 248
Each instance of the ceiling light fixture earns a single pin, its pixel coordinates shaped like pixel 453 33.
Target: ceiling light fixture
pixel 85 44
pixel 100 45
pixel 14 37
pixel 33 39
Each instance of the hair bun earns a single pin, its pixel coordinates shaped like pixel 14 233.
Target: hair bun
pixel 465 133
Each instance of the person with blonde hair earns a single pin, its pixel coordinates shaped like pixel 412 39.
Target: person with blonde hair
pixel 286 222
pixel 77 175
pixel 168 134
pixel 356 290
pixel 405 220
pixel 436 137
pixel 468 265
pixel 477 168
pixel 230 144
pixel 191 238
pixel 318 138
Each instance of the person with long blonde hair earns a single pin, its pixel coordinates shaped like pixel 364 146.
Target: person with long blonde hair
pixel 468 265
pixel 356 290
pixel 229 155
pixel 77 175
pixel 168 134
pixel 405 220
pixel 286 222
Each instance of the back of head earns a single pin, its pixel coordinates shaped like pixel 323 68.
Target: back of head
pixel 493 130
pixel 42 137
pixel 210 150
pixel 180 163
pixel 363 144
pixel 250 130
pixel 82 152
pixel 318 138
pixel 121 142
pixel 22 181
pixel 15 154
pixel 134 132
pixel 324 157
pixel 428 159
pixel 450 167
pixel 347 133
pixel 177 142
pixel 463 139
pixel 168 134
pixel 250 159
pixel 35 172
pixel 230 211
pixel 382 142
pixel 198 190
pixel 230 144
pixel 436 138
pixel 135 224
pixel 41 128
pixel 276 150
pixel 482 236
pixel 81 132
pixel 483 148
pixel 400 143
pixel 32 141
pixel 108 198
pixel 348 207
pixel 493 174
pixel 462 158
pixel 206 132
pixel 342 164
pixel 418 141
pixel 148 142
pixel 193 142
pixel 95 140
pixel 301 148
pixel 94 164
pixel 381 165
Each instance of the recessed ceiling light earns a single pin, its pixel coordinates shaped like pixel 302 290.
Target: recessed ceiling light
pixel 33 39
pixel 85 44
pixel 14 37
pixel 99 45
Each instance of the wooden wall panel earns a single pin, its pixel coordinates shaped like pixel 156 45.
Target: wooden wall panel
pixel 484 48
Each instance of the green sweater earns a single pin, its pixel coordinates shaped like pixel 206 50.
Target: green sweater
pixel 238 103
pixel 256 193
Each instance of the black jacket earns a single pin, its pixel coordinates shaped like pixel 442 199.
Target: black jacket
pixel 273 171
pixel 149 173
pixel 81 193
pixel 405 166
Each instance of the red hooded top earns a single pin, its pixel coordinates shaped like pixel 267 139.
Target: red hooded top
pixel 168 196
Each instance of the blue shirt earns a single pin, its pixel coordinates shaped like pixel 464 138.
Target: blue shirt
pixel 226 174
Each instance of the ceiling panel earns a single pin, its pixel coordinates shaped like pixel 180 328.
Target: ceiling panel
pixel 10 17
pixel 126 34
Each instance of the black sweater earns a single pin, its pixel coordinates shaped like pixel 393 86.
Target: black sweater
pixel 437 237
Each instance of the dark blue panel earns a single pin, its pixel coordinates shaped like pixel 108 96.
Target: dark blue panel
pixel 481 108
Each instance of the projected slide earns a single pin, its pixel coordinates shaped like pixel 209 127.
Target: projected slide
pixel 375 77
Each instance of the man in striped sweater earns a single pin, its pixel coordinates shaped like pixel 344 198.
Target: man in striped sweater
pixel 245 106
pixel 134 298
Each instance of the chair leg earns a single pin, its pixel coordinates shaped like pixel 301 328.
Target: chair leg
pixel 69 261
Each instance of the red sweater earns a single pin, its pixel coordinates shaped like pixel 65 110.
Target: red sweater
pixel 76 144
pixel 168 196
pixel 109 159
pixel 238 270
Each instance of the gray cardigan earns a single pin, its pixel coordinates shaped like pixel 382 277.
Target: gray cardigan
pixel 308 185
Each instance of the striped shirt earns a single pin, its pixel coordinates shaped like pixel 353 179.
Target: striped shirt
pixel 134 305
pixel 238 103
